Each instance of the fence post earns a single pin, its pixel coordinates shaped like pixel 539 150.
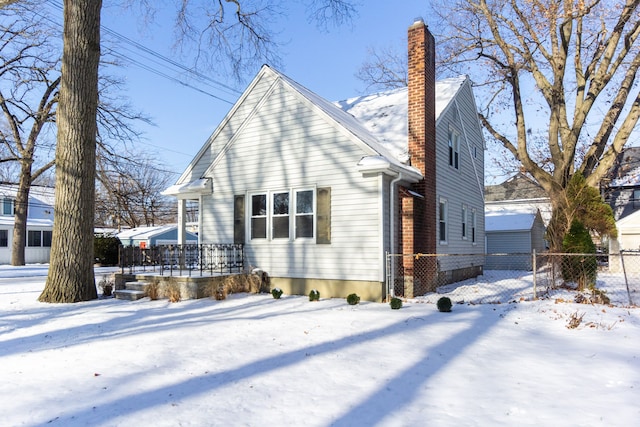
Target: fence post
pixel 624 270
pixel 533 263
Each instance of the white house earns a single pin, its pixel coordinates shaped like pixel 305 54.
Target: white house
pixel 318 192
pixel 39 223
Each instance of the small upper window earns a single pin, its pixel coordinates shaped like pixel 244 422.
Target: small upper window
pixel 7 206
pixel 454 149
pixel 464 222
pixel 442 220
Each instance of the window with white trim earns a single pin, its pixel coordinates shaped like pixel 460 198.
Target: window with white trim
pixel 454 148
pixel 7 206
pixel 473 226
pixel 464 222
pixel 442 220
pixel 280 216
pixel 4 238
pixel 259 216
pixel 305 213
pixel 289 215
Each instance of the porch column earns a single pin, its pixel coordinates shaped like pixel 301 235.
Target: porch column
pixel 182 221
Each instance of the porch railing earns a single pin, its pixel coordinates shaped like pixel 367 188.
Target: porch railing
pixel 205 258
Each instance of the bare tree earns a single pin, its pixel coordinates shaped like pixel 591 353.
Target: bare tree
pixel 562 69
pixel 30 70
pixel 71 276
pixel 130 192
pixel 30 77
pixel 384 69
pixel 236 29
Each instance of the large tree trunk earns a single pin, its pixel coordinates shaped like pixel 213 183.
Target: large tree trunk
pixel 21 215
pixel 71 277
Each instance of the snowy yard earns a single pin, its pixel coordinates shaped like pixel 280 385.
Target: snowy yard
pixel 253 360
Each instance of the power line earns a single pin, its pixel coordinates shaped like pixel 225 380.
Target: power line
pixel 160 60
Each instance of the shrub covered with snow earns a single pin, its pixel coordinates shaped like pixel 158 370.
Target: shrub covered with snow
pixel 276 292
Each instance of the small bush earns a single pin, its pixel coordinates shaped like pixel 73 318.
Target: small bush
pixel 220 293
pixel 444 304
pixel 396 303
pixel 353 299
pixel 106 285
pixel 314 295
pixel 153 290
pixel 276 293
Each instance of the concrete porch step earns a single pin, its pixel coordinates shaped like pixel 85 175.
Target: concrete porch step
pixel 129 294
pixel 136 286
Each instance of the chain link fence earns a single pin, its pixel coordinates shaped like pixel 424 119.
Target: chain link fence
pixel 500 278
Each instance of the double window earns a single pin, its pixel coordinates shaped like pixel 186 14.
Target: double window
pixel 37 238
pixel 283 215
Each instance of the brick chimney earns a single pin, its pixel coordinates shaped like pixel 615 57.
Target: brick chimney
pixel 418 226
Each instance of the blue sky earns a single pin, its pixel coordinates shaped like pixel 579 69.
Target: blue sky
pixel 325 62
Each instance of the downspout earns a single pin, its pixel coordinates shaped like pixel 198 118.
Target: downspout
pixel 392 230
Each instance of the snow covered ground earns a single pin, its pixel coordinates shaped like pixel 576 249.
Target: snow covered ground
pixel 253 360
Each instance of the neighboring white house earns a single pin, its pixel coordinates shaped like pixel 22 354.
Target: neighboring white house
pixel 39 223
pixel 318 192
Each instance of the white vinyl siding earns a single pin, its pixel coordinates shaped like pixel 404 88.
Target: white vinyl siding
pixel 465 185
pixel 287 144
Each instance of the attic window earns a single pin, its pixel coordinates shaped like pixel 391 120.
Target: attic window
pixel 454 148
pixel 7 206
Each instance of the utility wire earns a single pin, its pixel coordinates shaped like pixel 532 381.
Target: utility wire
pixel 163 62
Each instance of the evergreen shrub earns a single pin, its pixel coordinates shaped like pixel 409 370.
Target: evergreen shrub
pixel 396 303
pixel 105 250
pixel 276 293
pixel 353 299
pixel 580 269
pixel 314 295
pixel 444 304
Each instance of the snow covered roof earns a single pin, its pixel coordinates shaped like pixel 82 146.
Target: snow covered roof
pixel 509 219
pixel 379 122
pixel 384 114
pixel 199 186
pixel 144 233
pixel 9 221
pixel 44 195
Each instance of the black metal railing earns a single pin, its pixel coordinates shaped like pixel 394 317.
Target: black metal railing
pixel 207 258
